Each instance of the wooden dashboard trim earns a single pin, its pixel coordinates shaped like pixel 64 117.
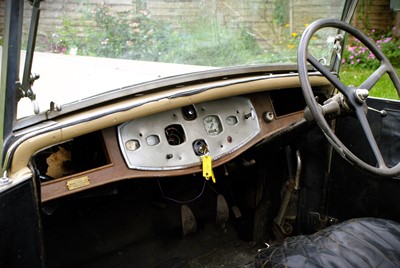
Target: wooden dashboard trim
pixel 117 169
pixel 76 125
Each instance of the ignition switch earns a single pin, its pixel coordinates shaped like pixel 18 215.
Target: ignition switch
pixel 200 147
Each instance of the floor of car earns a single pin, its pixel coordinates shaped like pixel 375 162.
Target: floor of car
pixel 139 230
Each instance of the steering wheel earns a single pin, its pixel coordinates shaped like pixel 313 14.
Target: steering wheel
pixel 354 98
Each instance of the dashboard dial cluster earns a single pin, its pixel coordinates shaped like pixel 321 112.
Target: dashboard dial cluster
pixel 168 140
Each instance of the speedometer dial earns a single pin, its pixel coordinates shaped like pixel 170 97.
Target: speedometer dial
pixel 212 125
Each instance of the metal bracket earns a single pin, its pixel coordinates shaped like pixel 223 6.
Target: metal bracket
pixel 28 78
pixel 54 107
pixel 27 92
pixel 288 211
pixel 337 47
pixel 5 180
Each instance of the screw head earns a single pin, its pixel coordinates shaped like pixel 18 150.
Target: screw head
pixel 362 94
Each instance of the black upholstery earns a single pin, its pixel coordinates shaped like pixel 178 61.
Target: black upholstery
pixel 366 242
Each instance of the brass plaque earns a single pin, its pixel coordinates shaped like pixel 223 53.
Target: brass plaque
pixel 78 183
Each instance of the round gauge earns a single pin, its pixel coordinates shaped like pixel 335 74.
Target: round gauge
pixel 212 125
pixel 231 120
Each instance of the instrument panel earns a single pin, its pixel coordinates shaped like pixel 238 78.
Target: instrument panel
pixel 178 138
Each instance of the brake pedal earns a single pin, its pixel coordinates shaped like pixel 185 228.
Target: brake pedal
pixel 189 224
pixel 222 211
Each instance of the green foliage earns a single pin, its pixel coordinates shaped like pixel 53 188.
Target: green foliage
pixel 359 63
pixel 281 13
pixel 195 45
pixel 356 75
pixel 104 32
pixel 64 37
pixel 357 54
pixel 362 12
pixel 123 34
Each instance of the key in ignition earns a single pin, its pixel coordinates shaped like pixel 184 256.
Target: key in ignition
pixel 200 147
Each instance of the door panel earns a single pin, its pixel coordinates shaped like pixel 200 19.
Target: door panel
pixel 20 228
pixel 359 194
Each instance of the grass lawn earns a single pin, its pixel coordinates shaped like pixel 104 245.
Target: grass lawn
pixel 383 89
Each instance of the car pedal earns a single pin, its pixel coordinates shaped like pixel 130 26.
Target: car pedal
pixel 189 224
pixel 222 211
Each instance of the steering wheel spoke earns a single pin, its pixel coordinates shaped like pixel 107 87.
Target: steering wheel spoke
pixel 374 78
pixel 359 111
pixel 325 72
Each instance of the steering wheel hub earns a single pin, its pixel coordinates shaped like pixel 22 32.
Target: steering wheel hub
pixel 361 94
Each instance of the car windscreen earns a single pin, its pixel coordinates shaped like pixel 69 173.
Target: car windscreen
pixel 89 47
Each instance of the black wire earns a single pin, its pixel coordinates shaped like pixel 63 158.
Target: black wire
pixel 179 201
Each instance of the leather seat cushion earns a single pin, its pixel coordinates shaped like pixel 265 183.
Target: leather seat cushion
pixel 365 242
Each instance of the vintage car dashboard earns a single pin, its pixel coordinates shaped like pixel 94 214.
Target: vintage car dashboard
pixel 178 138
pixel 168 143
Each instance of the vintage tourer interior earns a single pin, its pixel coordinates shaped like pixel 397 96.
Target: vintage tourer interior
pixel 257 165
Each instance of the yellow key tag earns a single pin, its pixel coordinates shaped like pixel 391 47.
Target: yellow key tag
pixel 207 168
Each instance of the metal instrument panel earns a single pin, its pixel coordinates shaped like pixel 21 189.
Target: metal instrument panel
pixel 171 140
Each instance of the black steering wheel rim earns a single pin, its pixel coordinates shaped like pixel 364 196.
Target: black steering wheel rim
pixel 381 169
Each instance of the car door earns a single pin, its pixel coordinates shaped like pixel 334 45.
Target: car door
pixel 20 228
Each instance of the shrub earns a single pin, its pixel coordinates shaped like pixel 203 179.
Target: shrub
pixel 64 37
pixel 195 45
pixel 104 32
pixel 123 34
pixel 356 54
